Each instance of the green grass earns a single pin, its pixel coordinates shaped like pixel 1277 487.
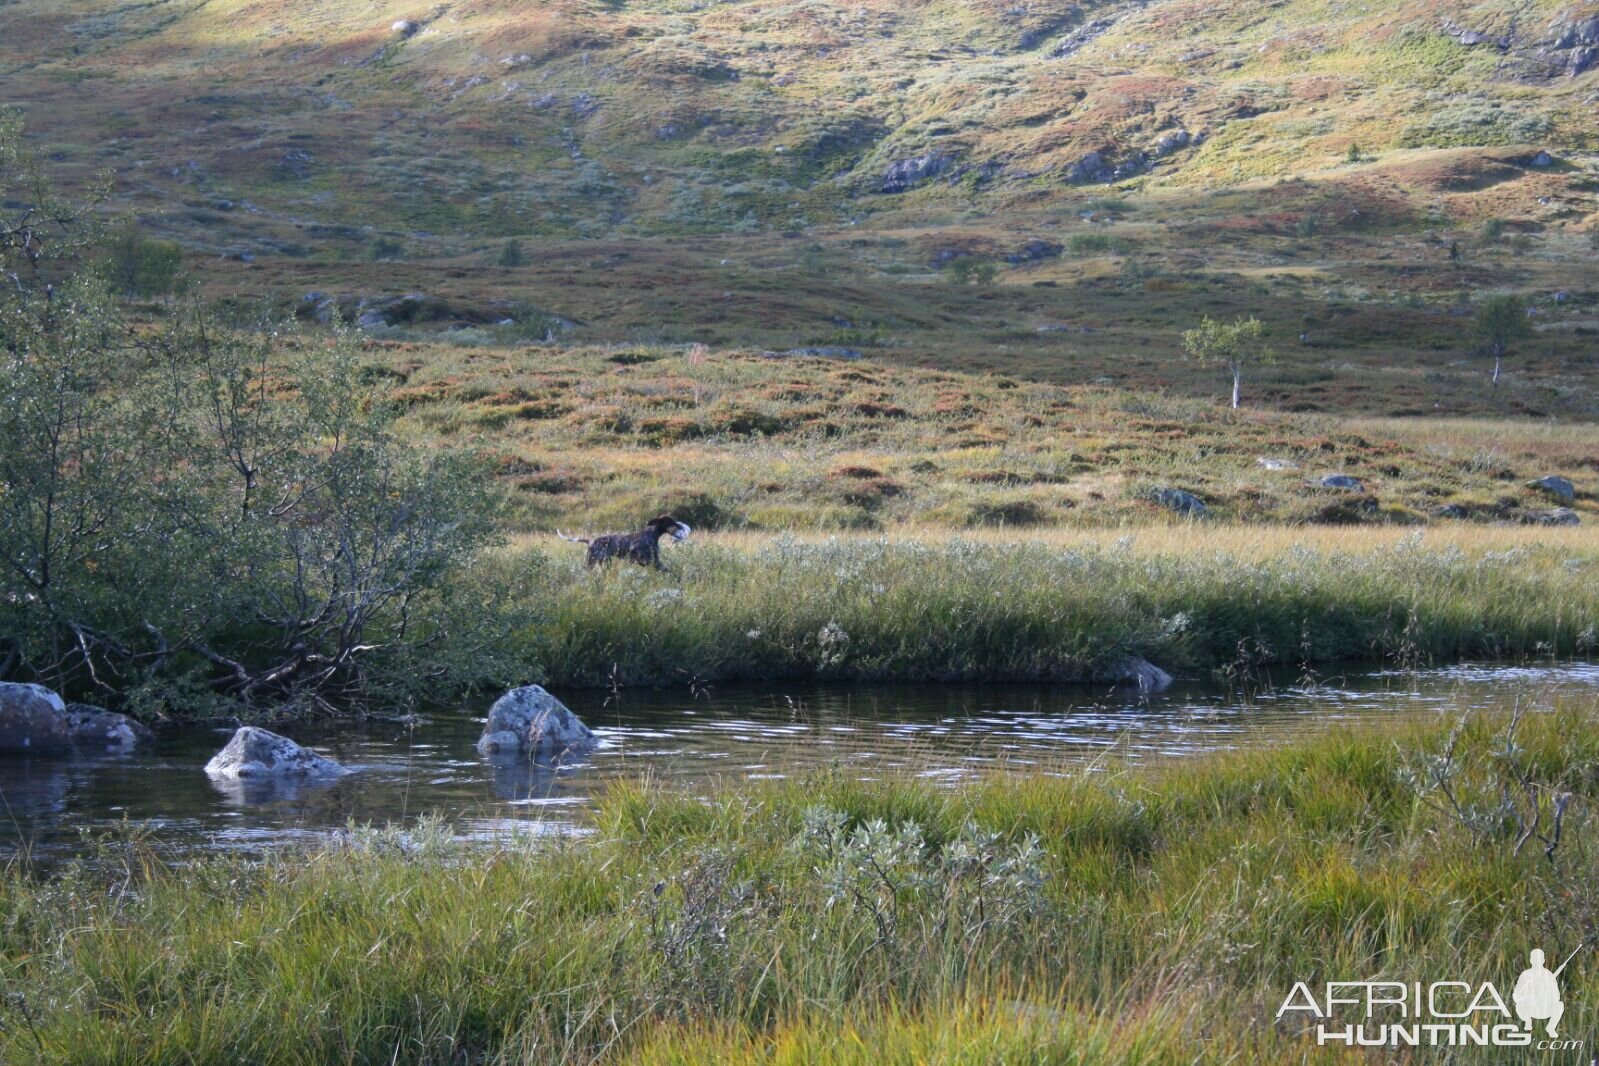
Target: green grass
pixel 1151 916
pixel 1051 608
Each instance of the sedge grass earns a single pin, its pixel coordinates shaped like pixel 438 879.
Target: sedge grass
pixel 1058 605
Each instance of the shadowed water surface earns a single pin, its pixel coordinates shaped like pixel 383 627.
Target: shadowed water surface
pixel 731 733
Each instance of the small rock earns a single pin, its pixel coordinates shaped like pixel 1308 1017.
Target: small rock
pixel 1269 463
pixel 1185 503
pixel 529 719
pixel 1558 487
pixel 32 719
pixel 96 727
pixel 1135 671
pixel 1452 510
pixel 1542 159
pixel 255 752
pixel 1171 141
pixel 405 28
pixel 1559 516
pixel 1342 481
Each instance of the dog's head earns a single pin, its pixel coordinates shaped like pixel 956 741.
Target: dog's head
pixel 667 526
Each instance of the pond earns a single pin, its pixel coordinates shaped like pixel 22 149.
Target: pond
pixel 695 740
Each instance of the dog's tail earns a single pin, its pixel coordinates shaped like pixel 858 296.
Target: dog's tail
pixel 574 540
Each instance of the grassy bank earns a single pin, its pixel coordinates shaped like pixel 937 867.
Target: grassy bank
pixel 1062 606
pixel 1150 915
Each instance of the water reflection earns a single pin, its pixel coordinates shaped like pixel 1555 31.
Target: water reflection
pixel 945 733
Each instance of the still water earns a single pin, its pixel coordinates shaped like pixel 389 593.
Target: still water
pixel 734 733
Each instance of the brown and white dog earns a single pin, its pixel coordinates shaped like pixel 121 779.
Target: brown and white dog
pixel 643 547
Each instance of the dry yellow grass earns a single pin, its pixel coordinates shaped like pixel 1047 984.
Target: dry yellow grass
pixel 1177 538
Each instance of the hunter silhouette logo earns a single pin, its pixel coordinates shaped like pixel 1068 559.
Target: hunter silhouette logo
pixel 1537 993
pixel 1446 1013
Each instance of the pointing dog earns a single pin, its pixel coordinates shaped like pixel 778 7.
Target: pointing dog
pixel 643 547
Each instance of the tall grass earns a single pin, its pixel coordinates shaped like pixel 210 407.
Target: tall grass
pixel 1142 916
pixel 1062 606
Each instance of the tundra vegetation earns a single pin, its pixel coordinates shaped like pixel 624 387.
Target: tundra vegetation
pixel 888 302
pixel 216 510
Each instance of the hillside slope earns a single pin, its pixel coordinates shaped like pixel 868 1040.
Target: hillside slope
pixel 578 118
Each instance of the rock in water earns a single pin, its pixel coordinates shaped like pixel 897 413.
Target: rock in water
pixel 32 719
pixel 96 727
pixel 256 752
pixel 1135 671
pixel 1558 487
pixel 529 719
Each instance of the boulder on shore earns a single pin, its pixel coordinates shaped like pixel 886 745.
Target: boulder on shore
pixel 529 719
pixel 255 752
pixel 33 719
pixel 1135 671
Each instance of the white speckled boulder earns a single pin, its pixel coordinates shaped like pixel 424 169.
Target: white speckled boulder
pixel 256 752
pixel 529 719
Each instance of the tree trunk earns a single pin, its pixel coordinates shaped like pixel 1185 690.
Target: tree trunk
pixel 1238 373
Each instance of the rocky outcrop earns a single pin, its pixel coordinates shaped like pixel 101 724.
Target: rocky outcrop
pixel 1081 38
pixel 1035 250
pixel 1558 516
pixel 905 174
pixel 258 753
pixel 1567 47
pixel 530 720
pixel 32 719
pixel 1181 501
pixel 1096 167
pixel 1556 486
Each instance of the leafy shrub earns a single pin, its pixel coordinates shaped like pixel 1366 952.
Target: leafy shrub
pixel 140 266
pixel 970 269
